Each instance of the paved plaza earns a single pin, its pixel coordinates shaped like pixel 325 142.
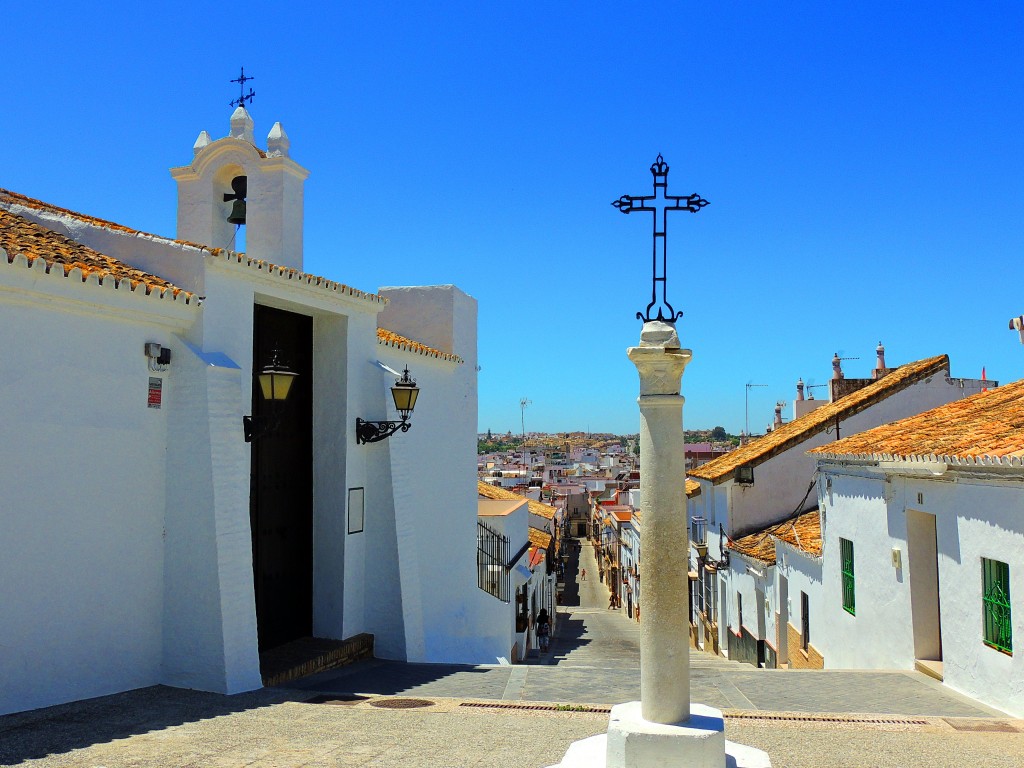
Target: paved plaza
pixel 380 713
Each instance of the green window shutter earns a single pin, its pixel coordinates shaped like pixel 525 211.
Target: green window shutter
pixel 995 605
pixel 846 558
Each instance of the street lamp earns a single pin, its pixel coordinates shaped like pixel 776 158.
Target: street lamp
pixel 275 382
pixel 404 394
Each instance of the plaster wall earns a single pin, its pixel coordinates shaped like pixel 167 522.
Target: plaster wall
pixel 744 579
pixel 803 573
pixel 83 478
pixel 975 518
pixel 332 428
pixel 433 467
pixel 781 482
pixel 880 636
pixel 209 617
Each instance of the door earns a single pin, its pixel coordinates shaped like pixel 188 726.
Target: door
pixel 922 551
pixel 281 482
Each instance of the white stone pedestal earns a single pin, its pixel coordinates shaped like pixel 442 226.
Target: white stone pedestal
pixel 632 742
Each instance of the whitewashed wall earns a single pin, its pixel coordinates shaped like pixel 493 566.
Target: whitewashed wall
pixel 781 482
pixel 975 518
pixel 83 479
pixel 433 468
pixel 880 636
pixel 803 573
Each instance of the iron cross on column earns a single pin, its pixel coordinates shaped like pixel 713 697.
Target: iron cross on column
pixel 659 204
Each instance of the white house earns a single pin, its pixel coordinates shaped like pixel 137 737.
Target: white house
pixel 515 560
pixel 923 523
pixel 771 479
pixel 144 539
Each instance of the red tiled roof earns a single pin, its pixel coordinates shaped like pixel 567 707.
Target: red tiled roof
pixel 799 430
pixel 21 237
pixel 392 339
pixel 802 531
pixel 10 199
pixel 489 491
pixel 984 429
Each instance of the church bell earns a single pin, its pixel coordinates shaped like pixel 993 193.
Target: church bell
pixel 237 215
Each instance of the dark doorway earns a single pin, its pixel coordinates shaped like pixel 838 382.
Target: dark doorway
pixel 281 483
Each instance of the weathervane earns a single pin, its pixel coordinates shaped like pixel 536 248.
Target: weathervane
pixel 659 203
pixel 242 95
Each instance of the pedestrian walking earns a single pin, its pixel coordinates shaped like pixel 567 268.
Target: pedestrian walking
pixel 583 574
pixel 543 630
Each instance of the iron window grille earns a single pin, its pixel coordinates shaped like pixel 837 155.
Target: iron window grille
pixel 846 560
pixel 995 601
pixel 492 572
pixel 805 622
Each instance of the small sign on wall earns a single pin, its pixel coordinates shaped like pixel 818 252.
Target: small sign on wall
pixel 355 510
pixel 156 386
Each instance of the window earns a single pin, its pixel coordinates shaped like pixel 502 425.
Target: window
pixel 805 621
pixel 701 577
pixel 846 562
pixel 709 595
pixel 739 612
pixel 995 605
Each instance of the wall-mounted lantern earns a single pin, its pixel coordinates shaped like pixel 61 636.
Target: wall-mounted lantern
pixel 275 382
pixel 404 393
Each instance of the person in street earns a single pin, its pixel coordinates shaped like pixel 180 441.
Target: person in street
pixel 543 630
pixel 583 574
pixel 611 600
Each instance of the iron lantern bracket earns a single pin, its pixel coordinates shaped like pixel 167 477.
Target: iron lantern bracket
pixel 256 427
pixel 375 431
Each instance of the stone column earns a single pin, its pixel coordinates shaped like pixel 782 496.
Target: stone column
pixel 664 535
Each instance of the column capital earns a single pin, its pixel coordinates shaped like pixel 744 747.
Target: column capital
pixel 659 359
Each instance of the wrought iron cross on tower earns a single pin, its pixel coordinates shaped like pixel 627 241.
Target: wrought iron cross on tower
pixel 242 95
pixel 659 204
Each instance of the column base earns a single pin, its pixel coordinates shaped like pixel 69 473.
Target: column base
pixel 632 742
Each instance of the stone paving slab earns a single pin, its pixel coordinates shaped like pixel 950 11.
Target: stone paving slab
pixel 276 728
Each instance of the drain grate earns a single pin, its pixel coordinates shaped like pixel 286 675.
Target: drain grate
pixel 536 707
pixel 401 703
pixel 981 724
pixel 825 719
pixel 336 699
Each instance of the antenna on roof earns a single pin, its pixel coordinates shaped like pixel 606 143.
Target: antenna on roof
pixel 522 408
pixel 746 422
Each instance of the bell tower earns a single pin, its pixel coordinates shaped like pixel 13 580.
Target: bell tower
pixel 232 183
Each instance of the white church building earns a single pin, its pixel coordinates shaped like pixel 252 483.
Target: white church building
pixel 145 540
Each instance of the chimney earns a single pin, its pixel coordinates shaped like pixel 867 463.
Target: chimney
pixel 837 367
pixel 800 389
pixel 879 371
pixel 778 415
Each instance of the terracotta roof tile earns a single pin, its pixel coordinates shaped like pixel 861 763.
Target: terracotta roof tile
pixel 797 431
pixel 538 538
pixel 802 531
pixel 392 339
pixel 489 491
pixel 21 237
pixel 13 199
pixel 984 429
pixel 692 488
pixel 30 202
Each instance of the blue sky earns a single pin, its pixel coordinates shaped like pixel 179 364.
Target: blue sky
pixel 864 164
